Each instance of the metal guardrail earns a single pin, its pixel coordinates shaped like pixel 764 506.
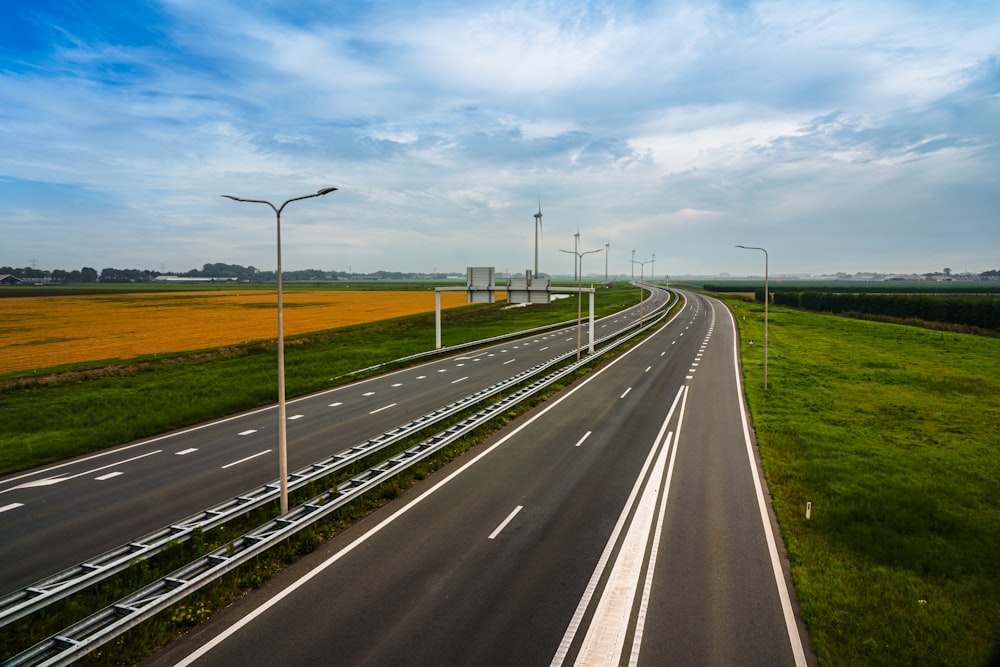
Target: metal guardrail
pixel 38 595
pixel 103 626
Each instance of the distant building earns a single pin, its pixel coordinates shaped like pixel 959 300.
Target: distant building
pixel 7 279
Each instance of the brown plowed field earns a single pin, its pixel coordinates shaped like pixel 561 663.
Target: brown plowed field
pixel 46 331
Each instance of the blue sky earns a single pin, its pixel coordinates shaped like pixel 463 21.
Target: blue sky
pixel 842 136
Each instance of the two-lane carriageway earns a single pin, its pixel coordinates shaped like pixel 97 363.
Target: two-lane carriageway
pixel 624 522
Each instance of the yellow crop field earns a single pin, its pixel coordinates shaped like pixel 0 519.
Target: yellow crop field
pixel 46 331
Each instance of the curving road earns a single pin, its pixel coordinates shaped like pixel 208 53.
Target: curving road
pixel 54 517
pixel 624 522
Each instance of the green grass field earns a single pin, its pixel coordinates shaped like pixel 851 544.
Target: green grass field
pixel 893 434
pixel 47 417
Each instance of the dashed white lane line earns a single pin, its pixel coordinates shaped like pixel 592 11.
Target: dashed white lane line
pixel 443 370
pixel 580 441
pixel 503 524
pixel 247 432
pixel 398 384
pixel 11 506
pixel 108 476
pixel 244 460
pixel 509 361
pixel 368 393
pixel 185 452
pixel 294 417
pixel 336 405
pixel 421 377
pixel 384 407
pixel 647 369
pixel 460 379
pixel 626 393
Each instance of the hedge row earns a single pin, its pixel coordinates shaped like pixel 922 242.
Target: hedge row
pixel 973 311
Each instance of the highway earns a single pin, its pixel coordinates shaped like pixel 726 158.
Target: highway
pixel 622 522
pixel 54 517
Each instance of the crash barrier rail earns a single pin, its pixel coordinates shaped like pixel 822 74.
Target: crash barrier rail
pixel 103 626
pixel 38 595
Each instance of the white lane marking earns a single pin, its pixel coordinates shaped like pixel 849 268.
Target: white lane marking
pixel 11 506
pixel 247 432
pixel 663 353
pixel 443 370
pixel 56 480
pixel 647 369
pixel 605 638
pixel 368 393
pixel 580 441
pixel 786 604
pixel 108 476
pixel 398 384
pixel 647 589
pixel 421 377
pixel 244 460
pixel 509 361
pixel 189 450
pixel 460 379
pixel 503 524
pixel 335 405
pixel 385 407
pixel 294 417
pixel 609 548
pixel 459 365
pixel 626 393
pixel 378 528
pixel 544 348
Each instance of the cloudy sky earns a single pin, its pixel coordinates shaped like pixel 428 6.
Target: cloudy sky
pixel 842 136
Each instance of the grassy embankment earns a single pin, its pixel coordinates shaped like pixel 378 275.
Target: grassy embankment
pixel 891 432
pixel 71 410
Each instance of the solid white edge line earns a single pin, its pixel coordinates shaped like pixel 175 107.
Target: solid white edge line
pixel 779 576
pixel 249 618
pixel 11 506
pixel 503 524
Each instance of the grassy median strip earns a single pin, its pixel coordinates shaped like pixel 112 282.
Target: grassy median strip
pixel 73 410
pixel 891 433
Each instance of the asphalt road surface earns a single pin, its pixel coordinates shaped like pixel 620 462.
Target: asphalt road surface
pixel 54 517
pixel 623 522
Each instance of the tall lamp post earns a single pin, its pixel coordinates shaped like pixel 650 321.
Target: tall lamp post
pixel 579 292
pixel 282 437
pixel 767 298
pixel 607 253
pixel 642 279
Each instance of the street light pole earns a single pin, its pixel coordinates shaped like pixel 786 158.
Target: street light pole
pixel 579 292
pixel 282 435
pixel 642 279
pixel 607 252
pixel 767 299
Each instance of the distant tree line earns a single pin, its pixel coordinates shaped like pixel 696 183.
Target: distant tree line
pixel 213 270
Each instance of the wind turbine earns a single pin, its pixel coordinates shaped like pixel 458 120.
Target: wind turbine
pixel 538 226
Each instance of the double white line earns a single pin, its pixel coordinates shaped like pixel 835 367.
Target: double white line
pixel 605 638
